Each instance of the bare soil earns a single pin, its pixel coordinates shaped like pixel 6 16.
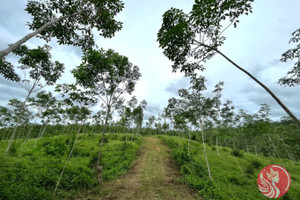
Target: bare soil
pixel 154 175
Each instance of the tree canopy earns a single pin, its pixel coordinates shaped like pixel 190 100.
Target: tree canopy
pixel 70 22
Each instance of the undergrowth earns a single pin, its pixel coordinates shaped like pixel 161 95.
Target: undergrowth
pixel 29 172
pixel 234 173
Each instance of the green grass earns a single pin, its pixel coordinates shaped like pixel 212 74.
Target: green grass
pixel 234 173
pixel 30 172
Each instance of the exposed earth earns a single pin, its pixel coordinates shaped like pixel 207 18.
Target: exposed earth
pixel 154 175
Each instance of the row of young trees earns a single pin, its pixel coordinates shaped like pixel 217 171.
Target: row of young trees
pixel 102 75
pixel 189 40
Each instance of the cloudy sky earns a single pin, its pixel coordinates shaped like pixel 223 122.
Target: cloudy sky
pixel 256 44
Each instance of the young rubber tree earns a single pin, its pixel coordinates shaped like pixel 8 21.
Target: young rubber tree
pixel 45 104
pixel 108 76
pixel 78 112
pixel 192 39
pixel 138 115
pixel 5 120
pixel 41 68
pixel 150 122
pixel 70 22
pixel 200 108
pixel 217 107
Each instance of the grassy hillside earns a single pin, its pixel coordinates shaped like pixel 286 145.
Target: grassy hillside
pixel 29 172
pixel 234 177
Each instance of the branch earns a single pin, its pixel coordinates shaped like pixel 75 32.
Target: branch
pixel 14 46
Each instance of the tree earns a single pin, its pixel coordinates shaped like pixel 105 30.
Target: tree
pixel 70 22
pixel 5 117
pixel 107 75
pixel 38 62
pixel 138 115
pixel 45 104
pixel 293 76
pixel 150 121
pixel 191 39
pixel 77 112
pixel 198 108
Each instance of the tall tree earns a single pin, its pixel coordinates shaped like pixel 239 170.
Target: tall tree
pixel 41 67
pixel 78 100
pixel 199 108
pixel 70 22
pixel 108 75
pixel 192 39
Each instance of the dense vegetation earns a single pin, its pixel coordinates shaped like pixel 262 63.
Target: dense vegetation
pixel 30 170
pixel 53 144
pixel 234 172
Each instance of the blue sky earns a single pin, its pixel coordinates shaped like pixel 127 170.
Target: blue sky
pixel 256 44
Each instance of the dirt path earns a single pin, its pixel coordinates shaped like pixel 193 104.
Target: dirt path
pixel 153 176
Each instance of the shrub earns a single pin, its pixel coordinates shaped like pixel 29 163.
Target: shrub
pixel 225 149
pixel 256 164
pixel 250 169
pixel 237 153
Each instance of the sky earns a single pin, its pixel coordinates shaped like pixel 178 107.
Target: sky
pixel 256 44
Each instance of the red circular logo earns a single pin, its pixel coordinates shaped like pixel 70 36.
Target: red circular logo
pixel 274 181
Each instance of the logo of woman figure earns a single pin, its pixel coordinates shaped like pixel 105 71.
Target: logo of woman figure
pixel 274 181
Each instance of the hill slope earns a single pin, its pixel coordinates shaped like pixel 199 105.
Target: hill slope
pixel 233 177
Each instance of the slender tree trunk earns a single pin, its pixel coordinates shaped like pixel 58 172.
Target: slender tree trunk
pixel 296 120
pixel 103 133
pixel 217 142
pixel 275 149
pixel 69 157
pixel 189 142
pixel 43 129
pixel 14 46
pixel 17 122
pixel 204 149
pixel 286 149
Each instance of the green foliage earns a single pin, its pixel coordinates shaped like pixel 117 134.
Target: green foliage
pixel 237 153
pixel 31 173
pixel 179 32
pixel 7 71
pixel 293 76
pixel 228 182
pixel 256 164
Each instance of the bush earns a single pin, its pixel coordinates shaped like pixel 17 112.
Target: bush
pixel 236 153
pixel 256 164
pixel 250 170
pixel 225 149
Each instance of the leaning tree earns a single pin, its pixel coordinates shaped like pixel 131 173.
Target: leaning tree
pixel 77 111
pixel 70 22
pixel 108 76
pixel 192 39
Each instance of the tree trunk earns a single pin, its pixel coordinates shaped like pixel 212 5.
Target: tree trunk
pixel 41 134
pixel 17 122
pixel 217 142
pixel 204 149
pixel 69 157
pixel 296 120
pixel 103 133
pixel 14 46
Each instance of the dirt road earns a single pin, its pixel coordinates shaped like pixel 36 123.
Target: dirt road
pixel 153 176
